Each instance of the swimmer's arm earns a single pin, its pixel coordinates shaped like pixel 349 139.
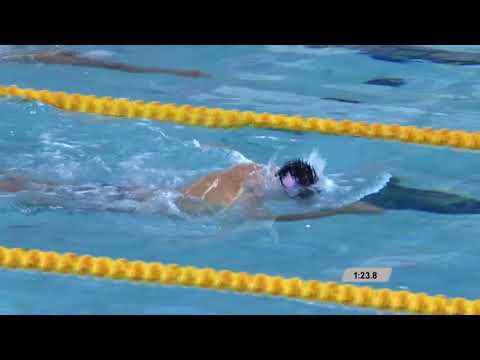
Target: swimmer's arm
pixel 357 208
pixel 10 186
pixel 12 183
pixel 66 57
pixel 112 65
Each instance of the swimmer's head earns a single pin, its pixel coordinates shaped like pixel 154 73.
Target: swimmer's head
pixel 297 178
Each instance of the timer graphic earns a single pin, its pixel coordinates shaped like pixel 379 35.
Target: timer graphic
pixel 367 275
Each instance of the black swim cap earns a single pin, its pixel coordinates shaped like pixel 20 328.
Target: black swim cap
pixel 303 173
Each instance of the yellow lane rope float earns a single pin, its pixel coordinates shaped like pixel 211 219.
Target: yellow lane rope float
pixel 240 282
pixel 220 118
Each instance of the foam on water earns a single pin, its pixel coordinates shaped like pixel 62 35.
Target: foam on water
pixel 342 189
pixel 98 54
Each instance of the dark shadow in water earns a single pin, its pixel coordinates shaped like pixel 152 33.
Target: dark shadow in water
pixel 396 197
pixel 391 82
pixel 343 100
pixel 406 53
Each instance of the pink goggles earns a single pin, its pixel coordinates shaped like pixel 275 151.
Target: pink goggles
pixel 295 190
pixel 289 182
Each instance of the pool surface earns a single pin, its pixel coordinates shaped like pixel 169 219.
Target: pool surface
pixel 432 253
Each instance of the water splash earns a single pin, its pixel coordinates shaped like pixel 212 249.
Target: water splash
pixel 98 54
pixel 335 190
pixel 342 189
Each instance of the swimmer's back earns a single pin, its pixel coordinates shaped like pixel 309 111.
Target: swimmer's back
pixel 223 187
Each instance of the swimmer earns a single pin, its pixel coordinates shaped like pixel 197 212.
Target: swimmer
pixel 247 186
pixel 243 187
pixel 74 58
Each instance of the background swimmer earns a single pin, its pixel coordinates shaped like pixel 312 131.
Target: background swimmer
pixel 404 53
pixel 247 186
pixel 75 58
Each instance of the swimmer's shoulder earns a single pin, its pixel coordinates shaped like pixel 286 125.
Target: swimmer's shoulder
pixel 223 187
pixel 237 174
pixel 246 169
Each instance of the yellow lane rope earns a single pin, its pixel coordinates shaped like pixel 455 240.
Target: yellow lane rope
pixel 220 118
pixel 241 282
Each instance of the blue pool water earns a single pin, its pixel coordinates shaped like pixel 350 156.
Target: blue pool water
pixel 428 252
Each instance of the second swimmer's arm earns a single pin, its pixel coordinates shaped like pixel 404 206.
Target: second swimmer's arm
pixel 73 58
pixel 112 65
pixel 69 57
